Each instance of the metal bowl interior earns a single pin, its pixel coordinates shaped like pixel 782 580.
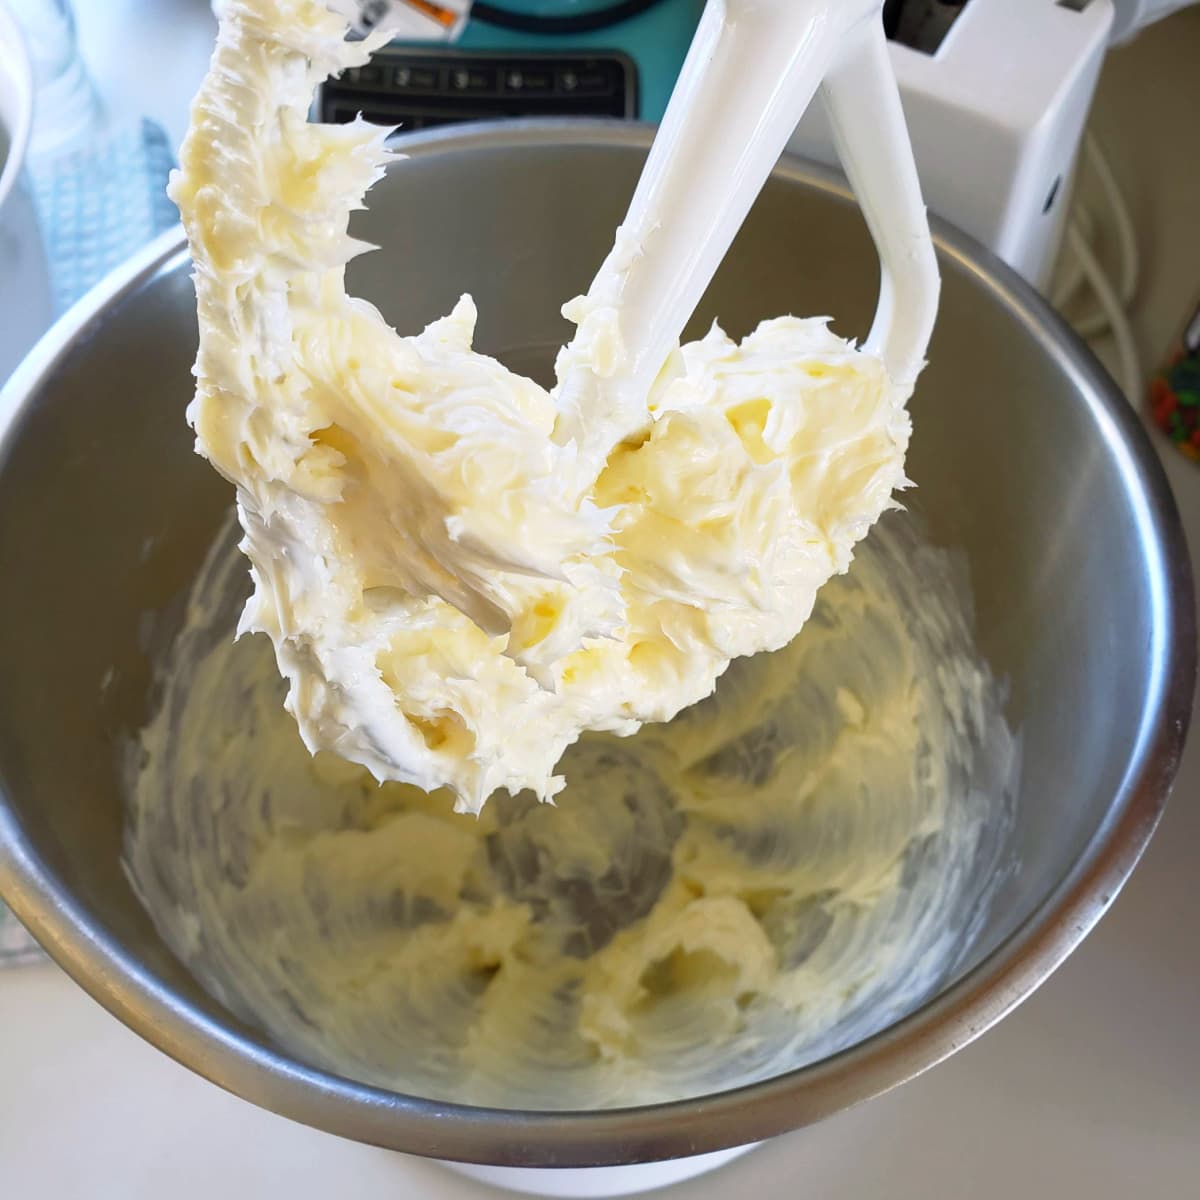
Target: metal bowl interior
pixel 1025 455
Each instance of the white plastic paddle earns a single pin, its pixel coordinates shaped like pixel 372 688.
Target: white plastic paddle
pixel 753 68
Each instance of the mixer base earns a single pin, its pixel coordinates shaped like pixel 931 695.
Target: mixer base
pixel 592 1183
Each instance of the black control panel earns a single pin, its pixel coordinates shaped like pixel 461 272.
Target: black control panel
pixel 418 89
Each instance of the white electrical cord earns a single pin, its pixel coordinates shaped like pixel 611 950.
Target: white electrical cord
pixel 1069 274
pixel 1126 238
pixel 1122 224
pixel 1112 311
pixel 1083 266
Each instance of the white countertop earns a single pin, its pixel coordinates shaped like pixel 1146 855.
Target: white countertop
pixel 1091 1089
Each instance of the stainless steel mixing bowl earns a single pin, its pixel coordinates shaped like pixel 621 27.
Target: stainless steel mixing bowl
pixel 1025 455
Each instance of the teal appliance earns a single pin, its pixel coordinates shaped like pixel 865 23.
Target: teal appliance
pixel 522 58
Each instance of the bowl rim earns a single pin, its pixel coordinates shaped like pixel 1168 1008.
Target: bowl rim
pixel 255 1071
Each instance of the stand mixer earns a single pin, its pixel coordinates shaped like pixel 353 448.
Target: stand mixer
pixel 1001 88
pixel 901 327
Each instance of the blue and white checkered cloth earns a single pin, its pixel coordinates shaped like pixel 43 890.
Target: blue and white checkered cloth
pixel 97 206
pixel 100 204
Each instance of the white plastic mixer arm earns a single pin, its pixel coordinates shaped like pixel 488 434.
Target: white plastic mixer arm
pixel 753 68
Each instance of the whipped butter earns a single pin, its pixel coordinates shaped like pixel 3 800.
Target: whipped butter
pixel 784 869
pixel 460 571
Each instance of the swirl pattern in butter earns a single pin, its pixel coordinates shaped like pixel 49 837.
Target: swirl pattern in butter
pixel 783 869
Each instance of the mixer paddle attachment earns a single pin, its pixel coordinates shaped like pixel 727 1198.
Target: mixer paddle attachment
pixel 753 69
